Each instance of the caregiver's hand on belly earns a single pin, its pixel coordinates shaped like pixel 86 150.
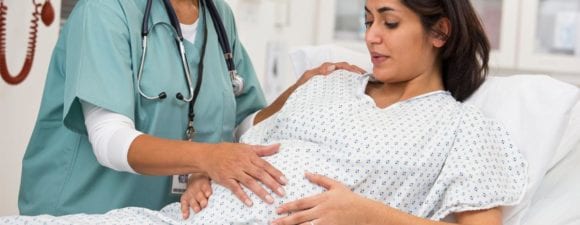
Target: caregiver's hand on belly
pixel 232 165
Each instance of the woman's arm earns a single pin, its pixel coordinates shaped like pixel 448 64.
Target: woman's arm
pixel 196 194
pixel 382 214
pixel 339 205
pixel 324 69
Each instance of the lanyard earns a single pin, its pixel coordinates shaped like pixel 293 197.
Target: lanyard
pixel 190 131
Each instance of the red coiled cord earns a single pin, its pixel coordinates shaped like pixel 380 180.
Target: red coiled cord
pixel 47 14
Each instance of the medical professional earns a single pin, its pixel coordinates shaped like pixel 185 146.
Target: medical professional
pixel 115 122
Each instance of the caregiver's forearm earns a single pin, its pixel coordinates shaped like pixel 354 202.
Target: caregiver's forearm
pixel 151 155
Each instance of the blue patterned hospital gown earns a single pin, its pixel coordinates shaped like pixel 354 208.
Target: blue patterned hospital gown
pixel 429 156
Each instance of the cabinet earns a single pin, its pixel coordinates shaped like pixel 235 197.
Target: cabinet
pixel 500 24
pixel 550 35
pixel 527 36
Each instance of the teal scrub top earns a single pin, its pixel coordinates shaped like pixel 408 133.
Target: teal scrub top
pixel 96 60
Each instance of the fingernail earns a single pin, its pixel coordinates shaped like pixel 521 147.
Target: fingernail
pixel 281 191
pixel 279 210
pixel 207 194
pixel 284 180
pixel 196 209
pixel 269 199
pixel 248 202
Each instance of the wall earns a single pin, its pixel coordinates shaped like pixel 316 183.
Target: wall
pixel 269 29
pixel 19 104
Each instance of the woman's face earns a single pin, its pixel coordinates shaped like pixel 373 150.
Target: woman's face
pixel 400 48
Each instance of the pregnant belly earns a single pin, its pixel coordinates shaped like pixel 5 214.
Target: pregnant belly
pixel 293 159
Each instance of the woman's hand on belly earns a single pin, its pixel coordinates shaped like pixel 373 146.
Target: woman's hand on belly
pixel 196 195
pixel 335 206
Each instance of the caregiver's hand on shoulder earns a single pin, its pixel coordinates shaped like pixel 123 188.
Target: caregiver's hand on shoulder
pixel 327 68
pixel 233 165
pixel 324 69
pixel 196 194
pixel 338 205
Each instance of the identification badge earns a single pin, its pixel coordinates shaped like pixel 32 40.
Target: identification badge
pixel 179 184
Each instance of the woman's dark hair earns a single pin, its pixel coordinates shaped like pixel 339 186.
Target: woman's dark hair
pixel 464 58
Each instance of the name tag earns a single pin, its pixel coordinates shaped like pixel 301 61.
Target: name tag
pixel 179 184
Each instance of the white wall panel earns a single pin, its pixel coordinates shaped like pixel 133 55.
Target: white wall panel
pixel 19 104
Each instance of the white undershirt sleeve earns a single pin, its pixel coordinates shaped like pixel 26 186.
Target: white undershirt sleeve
pixel 111 135
pixel 244 126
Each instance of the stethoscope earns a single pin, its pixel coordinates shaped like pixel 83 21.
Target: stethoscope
pixel 237 80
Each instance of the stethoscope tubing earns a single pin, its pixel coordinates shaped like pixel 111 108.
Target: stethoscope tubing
pixel 237 81
pixel 140 72
pixel 222 36
pixel 187 73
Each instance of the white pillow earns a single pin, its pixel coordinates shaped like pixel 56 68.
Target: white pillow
pixel 533 108
pixel 556 201
pixel 571 138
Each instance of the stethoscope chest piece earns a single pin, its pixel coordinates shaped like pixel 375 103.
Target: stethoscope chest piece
pixel 237 83
pixel 236 79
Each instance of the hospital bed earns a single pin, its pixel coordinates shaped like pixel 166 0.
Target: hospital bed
pixel 543 116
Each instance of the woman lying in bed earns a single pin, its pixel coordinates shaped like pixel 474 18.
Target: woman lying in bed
pixel 397 147
pixel 427 156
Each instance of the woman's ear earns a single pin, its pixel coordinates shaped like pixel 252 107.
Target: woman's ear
pixel 440 32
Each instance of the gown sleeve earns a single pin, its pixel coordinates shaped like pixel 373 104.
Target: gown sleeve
pixel 483 170
pixel 263 132
pixel 98 66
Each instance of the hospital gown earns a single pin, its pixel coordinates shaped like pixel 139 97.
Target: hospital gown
pixel 429 156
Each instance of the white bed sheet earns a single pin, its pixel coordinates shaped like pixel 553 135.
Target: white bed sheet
pixel 557 200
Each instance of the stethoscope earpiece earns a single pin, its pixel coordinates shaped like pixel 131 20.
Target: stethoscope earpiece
pixel 179 96
pixel 162 95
